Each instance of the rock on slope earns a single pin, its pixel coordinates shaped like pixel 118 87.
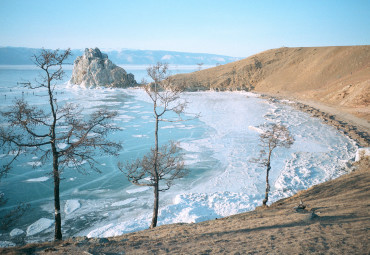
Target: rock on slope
pixel 94 68
pixel 339 76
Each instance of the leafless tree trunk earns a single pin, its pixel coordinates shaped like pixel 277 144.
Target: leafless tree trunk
pixel 268 168
pixel 200 66
pixel 274 136
pixel 35 130
pixel 161 163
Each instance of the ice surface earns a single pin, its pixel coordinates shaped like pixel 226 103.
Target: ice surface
pixel 187 208
pixel 191 159
pixel 136 107
pixel 16 232
pixel 139 136
pixel 34 163
pixel 137 190
pixel 196 207
pixel 124 202
pixel 125 117
pixel 258 130
pixel 99 232
pixel 4 244
pixel 72 164
pixel 168 127
pixel 62 146
pixel 190 147
pixel 71 206
pixel 236 185
pixel 39 226
pixel 40 179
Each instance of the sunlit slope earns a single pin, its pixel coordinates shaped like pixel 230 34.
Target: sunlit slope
pixel 335 75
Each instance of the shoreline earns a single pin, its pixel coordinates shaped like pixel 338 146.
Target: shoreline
pixel 355 128
pixel 329 119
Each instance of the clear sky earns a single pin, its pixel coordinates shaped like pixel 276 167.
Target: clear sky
pixel 237 28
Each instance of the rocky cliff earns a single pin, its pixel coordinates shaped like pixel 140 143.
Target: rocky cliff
pixel 94 68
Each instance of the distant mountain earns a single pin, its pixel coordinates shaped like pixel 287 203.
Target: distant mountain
pixel 21 56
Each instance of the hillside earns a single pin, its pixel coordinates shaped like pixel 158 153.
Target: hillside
pixel 22 56
pixel 335 221
pixel 336 76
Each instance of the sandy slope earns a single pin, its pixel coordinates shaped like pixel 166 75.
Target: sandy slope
pixel 338 77
pixel 336 221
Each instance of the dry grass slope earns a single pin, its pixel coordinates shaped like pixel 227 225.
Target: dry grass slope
pixel 338 76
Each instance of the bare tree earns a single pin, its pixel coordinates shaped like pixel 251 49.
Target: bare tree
pixel 59 133
pixel 161 164
pixel 200 66
pixel 274 136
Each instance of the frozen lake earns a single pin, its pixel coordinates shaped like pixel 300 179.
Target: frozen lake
pixel 217 148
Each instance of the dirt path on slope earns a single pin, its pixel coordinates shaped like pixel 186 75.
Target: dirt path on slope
pixel 341 114
pixel 356 128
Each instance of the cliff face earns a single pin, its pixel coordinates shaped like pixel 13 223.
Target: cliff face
pixel 94 68
pixel 339 76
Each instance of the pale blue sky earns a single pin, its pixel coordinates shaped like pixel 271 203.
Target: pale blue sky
pixel 230 27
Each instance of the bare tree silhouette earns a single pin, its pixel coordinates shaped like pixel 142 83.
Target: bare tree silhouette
pixel 161 164
pixel 274 136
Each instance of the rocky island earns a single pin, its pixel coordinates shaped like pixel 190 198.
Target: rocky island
pixel 94 69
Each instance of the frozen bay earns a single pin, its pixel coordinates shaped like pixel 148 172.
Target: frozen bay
pixel 217 148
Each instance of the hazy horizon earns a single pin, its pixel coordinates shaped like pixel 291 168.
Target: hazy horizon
pixel 237 28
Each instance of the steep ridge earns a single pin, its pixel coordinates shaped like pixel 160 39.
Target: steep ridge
pixel 337 76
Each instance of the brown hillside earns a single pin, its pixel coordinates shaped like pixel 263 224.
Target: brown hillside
pixel 336 76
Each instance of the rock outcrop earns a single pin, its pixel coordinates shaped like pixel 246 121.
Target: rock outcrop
pixel 94 68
